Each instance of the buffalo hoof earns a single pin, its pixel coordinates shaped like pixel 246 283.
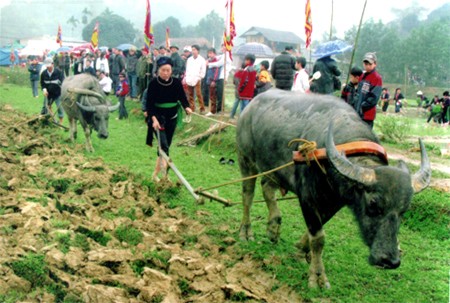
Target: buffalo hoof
pixel 316 281
pixel 246 233
pixel 274 229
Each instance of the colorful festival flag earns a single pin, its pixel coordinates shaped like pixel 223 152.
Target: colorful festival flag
pixel 230 28
pixel 148 30
pixel 167 37
pixel 94 38
pixel 308 23
pixel 59 35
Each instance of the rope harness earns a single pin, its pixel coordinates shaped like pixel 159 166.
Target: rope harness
pixel 306 148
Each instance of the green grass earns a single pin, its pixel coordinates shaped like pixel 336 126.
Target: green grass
pixel 422 277
pixel 128 234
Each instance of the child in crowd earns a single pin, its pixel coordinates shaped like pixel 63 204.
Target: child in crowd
pixel 105 82
pixel 122 90
pixel 384 100
pixel 247 81
pixel 264 81
pixel 349 92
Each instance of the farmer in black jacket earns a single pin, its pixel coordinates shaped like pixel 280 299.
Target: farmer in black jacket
pixel 283 68
pixel 51 80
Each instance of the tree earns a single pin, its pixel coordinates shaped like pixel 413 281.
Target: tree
pixel 113 29
pixel 211 27
pixel 74 22
pixel 159 29
pixel 427 49
pixel 86 13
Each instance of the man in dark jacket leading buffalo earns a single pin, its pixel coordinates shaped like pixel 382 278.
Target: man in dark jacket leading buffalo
pixel 51 80
pixel 283 68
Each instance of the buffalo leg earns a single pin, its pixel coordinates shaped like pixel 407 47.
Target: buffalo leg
pixel 274 223
pixel 248 191
pixel 87 133
pixel 73 129
pixel 317 276
pixel 303 246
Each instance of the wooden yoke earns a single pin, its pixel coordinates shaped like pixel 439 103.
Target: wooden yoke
pixel 350 149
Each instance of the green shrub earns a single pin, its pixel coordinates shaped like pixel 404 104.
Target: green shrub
pixel 18 75
pixel 64 242
pixel 80 241
pixel 394 128
pixel 128 234
pixel 33 268
pixel 60 185
pixel 98 236
pixel 60 224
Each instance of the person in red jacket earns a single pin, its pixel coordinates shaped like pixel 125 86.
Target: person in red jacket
pixel 122 90
pixel 247 81
pixel 369 90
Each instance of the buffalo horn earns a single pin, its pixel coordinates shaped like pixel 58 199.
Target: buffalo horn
pixel 83 91
pixel 114 107
pixel 421 179
pixel 86 108
pixel 359 174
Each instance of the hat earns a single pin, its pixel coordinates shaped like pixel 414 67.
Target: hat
pixel 370 57
pixel 419 93
pixel 48 61
pixel 187 49
pixel 174 46
pixel 163 61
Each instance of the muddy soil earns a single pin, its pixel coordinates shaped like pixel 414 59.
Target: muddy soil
pixel 73 211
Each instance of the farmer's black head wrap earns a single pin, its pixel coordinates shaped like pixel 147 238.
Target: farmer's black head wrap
pixel 163 61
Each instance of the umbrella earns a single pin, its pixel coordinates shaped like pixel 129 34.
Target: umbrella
pixel 103 48
pixel 257 49
pixel 331 48
pixel 125 46
pixel 63 49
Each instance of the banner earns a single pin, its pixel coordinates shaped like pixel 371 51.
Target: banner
pixel 94 38
pixel 148 30
pixel 230 29
pixel 167 38
pixel 59 36
pixel 308 23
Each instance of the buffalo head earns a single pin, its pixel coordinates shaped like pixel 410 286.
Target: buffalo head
pixel 379 196
pixel 99 116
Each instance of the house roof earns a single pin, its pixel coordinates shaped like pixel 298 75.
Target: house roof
pixel 182 42
pixel 274 35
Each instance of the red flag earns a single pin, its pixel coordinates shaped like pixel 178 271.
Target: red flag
pixel 167 37
pixel 94 38
pixel 308 23
pixel 230 28
pixel 148 30
pixel 59 35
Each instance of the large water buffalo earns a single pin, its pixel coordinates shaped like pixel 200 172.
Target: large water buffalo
pixel 84 100
pixel 377 194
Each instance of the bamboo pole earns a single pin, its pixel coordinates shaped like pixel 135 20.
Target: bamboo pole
pixel 356 42
pixel 180 176
pixel 331 23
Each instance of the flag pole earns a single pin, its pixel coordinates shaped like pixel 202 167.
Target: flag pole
pixel 331 23
pixel 356 42
pixel 227 34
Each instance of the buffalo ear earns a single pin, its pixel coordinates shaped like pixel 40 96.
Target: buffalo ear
pixel 403 167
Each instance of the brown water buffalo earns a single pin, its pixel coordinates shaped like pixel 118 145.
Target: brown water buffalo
pixel 377 194
pixel 83 99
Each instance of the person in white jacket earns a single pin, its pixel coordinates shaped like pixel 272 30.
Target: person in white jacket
pixel 222 76
pixel 195 72
pixel 301 78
